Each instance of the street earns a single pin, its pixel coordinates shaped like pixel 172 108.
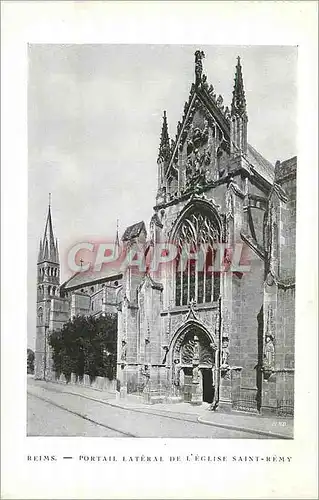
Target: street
pixel 54 411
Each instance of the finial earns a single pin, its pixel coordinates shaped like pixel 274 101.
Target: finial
pixel 49 199
pixel 117 239
pixel 199 56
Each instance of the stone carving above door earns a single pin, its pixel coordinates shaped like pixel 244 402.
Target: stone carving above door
pixel 187 349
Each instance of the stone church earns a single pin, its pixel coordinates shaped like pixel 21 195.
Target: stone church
pixel 194 331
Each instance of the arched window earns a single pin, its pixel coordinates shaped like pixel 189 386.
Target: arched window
pixel 40 315
pixel 195 278
pixel 49 290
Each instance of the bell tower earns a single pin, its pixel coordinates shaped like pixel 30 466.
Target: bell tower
pixel 48 281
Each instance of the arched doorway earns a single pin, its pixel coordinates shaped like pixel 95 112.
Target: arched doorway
pixel 193 360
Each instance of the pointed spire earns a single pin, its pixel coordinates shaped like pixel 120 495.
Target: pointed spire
pixel 57 250
pixel 48 246
pixel 238 105
pixel 164 148
pixel 117 239
pixel 40 252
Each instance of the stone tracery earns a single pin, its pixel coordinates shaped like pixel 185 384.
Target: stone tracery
pixel 195 279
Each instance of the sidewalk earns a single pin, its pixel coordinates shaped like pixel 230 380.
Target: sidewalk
pixel 277 427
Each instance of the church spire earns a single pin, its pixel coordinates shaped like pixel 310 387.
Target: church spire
pixel 48 246
pixel 238 105
pixel 164 148
pixel 40 251
pixel 117 240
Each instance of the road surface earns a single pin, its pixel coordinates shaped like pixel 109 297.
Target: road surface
pixel 54 412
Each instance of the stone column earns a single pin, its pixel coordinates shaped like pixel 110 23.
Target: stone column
pixel 225 376
pixel 197 391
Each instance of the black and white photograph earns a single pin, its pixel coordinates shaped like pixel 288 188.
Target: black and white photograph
pixel 159 167
pixel 162 227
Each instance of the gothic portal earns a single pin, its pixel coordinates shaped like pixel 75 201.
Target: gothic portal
pixel 194 330
pixel 199 329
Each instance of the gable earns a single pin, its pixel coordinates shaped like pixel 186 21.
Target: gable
pixel 203 112
pixel 134 231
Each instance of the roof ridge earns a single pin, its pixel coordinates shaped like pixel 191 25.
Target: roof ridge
pixel 260 155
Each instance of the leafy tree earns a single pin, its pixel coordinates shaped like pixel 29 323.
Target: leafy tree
pixel 86 344
pixel 30 361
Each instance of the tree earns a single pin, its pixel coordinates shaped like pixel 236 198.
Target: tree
pixel 86 345
pixel 30 361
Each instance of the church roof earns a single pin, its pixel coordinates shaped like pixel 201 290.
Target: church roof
pixel 81 279
pixel 133 231
pixel 262 166
pixel 48 250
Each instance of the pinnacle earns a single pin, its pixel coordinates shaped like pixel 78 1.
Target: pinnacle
pixel 164 142
pixel 238 106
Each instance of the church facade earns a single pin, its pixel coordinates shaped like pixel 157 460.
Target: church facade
pixel 199 329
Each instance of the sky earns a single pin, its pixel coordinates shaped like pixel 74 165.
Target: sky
pixel 94 122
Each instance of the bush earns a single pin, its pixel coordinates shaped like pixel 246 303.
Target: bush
pixel 86 345
pixel 30 361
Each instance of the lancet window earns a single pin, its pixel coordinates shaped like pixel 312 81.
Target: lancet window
pixel 195 278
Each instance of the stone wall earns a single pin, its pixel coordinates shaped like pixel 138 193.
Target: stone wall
pixel 99 383
pixel 80 304
pixel 247 300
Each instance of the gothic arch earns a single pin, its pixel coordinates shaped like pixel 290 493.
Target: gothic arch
pixel 40 315
pixel 191 325
pixel 197 205
pixel 197 228
pixel 192 353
